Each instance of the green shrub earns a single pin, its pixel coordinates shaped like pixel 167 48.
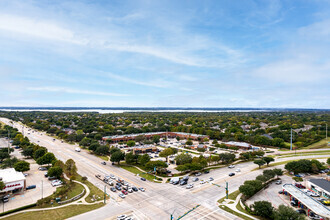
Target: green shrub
pixel 297 179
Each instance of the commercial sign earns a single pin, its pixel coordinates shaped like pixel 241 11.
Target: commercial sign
pixel 13 185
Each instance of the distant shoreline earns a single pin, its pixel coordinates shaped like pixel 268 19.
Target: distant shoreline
pixel 105 110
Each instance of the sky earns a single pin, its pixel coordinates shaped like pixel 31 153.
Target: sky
pixel 152 53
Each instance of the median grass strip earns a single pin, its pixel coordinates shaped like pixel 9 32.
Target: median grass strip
pixel 56 214
pixel 136 171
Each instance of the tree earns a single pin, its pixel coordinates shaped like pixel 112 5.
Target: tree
pixel 182 168
pixel 262 178
pixel 159 164
pixel 287 213
pixel 46 159
pixel 189 142
pixel 268 160
pixel 28 152
pixel 156 139
pixel 39 153
pixel 4 155
pixel 143 159
pixel 269 173
pixel 22 166
pixel 259 163
pixel 328 161
pixel 278 172
pixel 130 158
pixel 55 171
pixel 140 138
pixel 214 142
pixel 2 185
pixel 85 142
pixel 183 158
pixel 247 190
pixel 255 183
pixel 177 138
pixel 59 163
pixel 262 208
pixel 165 153
pixel 117 156
pixel 102 150
pixel 70 167
pixel 131 143
pixel 113 150
pixel 300 166
pixel 94 146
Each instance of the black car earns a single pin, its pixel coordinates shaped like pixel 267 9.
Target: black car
pixel 183 182
pixel 280 192
pixel 301 211
pixel 143 179
pixel 104 163
pixel 232 174
pixel 135 189
pixel 206 171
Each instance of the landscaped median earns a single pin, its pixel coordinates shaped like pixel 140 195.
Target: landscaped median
pixel 140 173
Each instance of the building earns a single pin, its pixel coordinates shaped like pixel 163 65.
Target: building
pixel 127 137
pixel 305 201
pixel 143 150
pixel 321 186
pixel 241 145
pixel 14 181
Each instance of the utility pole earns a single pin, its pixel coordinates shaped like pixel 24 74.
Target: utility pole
pixel 42 189
pixel 291 141
pixel 105 188
pixel 226 190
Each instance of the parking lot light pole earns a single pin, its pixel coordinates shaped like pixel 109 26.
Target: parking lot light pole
pixel 226 190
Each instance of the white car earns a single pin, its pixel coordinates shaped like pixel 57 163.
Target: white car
pixel 202 182
pixel 189 186
pixel 238 170
pixel 121 195
pixel 121 217
pixel 231 166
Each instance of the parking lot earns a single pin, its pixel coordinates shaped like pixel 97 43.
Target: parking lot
pixel 35 177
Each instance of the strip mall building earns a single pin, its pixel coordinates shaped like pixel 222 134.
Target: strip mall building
pixel 14 181
pixel 127 137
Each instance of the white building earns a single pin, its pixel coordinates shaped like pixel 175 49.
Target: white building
pixel 321 186
pixel 14 181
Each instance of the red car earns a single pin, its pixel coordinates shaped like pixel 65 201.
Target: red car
pixel 124 192
pixel 300 186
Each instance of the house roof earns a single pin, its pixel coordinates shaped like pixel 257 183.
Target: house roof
pixel 322 183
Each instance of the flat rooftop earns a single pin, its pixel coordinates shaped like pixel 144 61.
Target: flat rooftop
pixel 309 201
pixel 152 133
pixel 11 175
pixel 322 183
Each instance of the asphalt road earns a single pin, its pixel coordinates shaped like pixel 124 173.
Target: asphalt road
pixel 160 200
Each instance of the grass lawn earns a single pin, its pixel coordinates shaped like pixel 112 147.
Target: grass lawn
pixel 56 214
pixel 106 158
pixel 231 196
pixel 305 154
pixel 99 195
pixel 64 192
pixel 137 171
pixel 321 144
pixel 234 213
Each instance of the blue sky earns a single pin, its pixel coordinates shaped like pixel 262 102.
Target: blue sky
pixel 165 53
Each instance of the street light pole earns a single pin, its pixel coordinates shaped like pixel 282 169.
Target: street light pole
pixel 42 189
pixel 105 193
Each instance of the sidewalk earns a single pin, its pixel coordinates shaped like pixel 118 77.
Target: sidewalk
pixel 233 205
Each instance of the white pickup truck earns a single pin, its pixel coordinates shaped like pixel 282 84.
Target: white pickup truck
pixel 78 149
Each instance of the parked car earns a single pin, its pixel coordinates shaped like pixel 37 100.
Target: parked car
pixel 124 192
pixel 189 186
pixel 142 189
pixel 301 211
pixel 300 186
pixel 42 168
pixel 211 179
pixel 206 171
pixel 118 187
pixel 231 166
pixel 198 174
pixel 121 217
pixel 52 178
pixel 280 192
pixel 143 179
pixel 232 174
pixel 202 182
pixel 238 170
pixel 294 203
pixel 183 182
pixel 103 163
pixel 31 187
pixel 278 182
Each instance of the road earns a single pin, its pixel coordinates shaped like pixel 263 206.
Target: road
pixel 160 200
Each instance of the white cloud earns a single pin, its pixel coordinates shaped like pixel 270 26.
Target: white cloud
pixel 73 91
